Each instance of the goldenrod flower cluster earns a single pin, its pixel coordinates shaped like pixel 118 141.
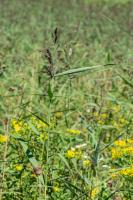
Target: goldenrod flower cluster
pixel 56 187
pixel 31 126
pixel 70 154
pixel 112 117
pixel 17 125
pixel 43 136
pixel 119 123
pixel 94 192
pixel 3 138
pixel 58 115
pixel 73 131
pixel 116 108
pixel 19 167
pixel 86 163
pixel 126 171
pixel 100 117
pixel 116 153
pixel 122 147
pixel 78 154
pixel 74 153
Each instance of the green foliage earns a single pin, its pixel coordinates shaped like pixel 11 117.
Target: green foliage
pixel 66 100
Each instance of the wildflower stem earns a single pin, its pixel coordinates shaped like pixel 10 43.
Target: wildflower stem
pixel 47 147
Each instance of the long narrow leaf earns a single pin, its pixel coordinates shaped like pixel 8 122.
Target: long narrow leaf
pixel 82 69
pixel 126 81
pixel 33 161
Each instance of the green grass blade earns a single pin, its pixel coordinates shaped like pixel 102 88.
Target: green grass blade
pixel 82 69
pixel 33 161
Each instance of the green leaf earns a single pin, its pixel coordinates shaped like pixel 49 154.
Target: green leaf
pixel 126 81
pixel 31 158
pixel 33 128
pixel 65 161
pixel 33 161
pixel 50 93
pixel 83 69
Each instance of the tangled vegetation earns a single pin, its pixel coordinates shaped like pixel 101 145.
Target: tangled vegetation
pixel 66 100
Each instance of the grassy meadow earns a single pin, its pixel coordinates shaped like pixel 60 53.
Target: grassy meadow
pixel 66 100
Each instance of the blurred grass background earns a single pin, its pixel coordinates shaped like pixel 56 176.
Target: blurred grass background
pixel 90 33
pixel 94 31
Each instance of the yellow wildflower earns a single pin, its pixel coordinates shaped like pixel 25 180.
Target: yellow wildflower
pixel 94 192
pixel 130 141
pixel 96 114
pixel 116 153
pixel 120 143
pixel 86 163
pixel 101 118
pixel 114 175
pixel 3 138
pixel 128 150
pixel 123 121
pixel 58 115
pixel 70 154
pixel 33 175
pixel 33 119
pixel 43 136
pixel 119 151
pixel 16 125
pixel 78 154
pixel 116 108
pixel 56 189
pixel 73 131
pixel 19 167
pixel 101 122
pixel 126 171
pixel 104 115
